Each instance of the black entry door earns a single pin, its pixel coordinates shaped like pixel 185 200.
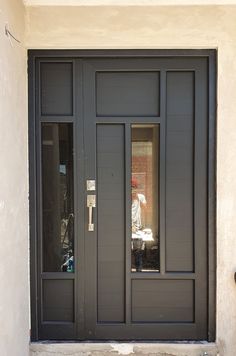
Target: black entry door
pixel 121 192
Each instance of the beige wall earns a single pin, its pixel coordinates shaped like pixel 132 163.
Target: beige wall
pixel 169 27
pixel 14 285
pixel 107 27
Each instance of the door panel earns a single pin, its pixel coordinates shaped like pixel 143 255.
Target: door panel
pixel 162 301
pixel 139 128
pixel 60 308
pixel 127 93
pixel 56 81
pixel 110 236
pixel 180 137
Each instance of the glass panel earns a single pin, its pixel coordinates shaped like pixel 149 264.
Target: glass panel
pixel 145 198
pixel 58 197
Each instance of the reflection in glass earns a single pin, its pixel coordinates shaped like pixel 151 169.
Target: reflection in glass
pixel 145 201
pixel 58 204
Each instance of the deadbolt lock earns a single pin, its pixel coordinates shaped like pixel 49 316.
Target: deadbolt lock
pixel 91 184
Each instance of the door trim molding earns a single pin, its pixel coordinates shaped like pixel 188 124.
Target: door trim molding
pixel 211 55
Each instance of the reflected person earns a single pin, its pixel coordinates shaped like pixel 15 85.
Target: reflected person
pixel 138 245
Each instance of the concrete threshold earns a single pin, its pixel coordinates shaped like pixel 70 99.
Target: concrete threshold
pixel 47 348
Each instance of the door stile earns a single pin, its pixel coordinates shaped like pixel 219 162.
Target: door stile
pixel 89 113
pixel 33 209
pixel 200 195
pixel 38 192
pixel 162 163
pixel 79 200
pixel 128 224
pixel 212 197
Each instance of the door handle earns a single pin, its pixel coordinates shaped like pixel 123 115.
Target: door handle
pixel 91 203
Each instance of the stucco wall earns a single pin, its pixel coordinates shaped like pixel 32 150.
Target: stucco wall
pixel 14 285
pixel 169 27
pixel 107 27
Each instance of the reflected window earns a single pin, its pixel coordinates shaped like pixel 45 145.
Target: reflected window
pixel 145 198
pixel 58 202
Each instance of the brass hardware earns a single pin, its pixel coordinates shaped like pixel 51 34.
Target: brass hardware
pixel 91 203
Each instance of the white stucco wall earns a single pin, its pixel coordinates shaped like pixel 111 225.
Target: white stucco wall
pixel 107 27
pixel 14 282
pixel 169 27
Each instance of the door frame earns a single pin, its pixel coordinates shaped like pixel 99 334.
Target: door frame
pixel 211 56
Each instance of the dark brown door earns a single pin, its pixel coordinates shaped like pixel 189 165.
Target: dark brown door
pixel 122 198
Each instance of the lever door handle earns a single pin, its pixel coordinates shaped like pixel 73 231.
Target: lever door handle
pixel 91 203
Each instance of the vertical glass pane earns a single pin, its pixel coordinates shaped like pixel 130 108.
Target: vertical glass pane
pixel 145 198
pixel 58 197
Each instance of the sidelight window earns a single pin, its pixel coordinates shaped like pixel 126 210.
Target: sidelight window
pixel 58 209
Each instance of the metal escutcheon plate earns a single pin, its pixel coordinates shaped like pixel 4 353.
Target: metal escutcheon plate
pixel 91 185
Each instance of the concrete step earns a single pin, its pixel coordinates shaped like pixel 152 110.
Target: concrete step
pixel 123 348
